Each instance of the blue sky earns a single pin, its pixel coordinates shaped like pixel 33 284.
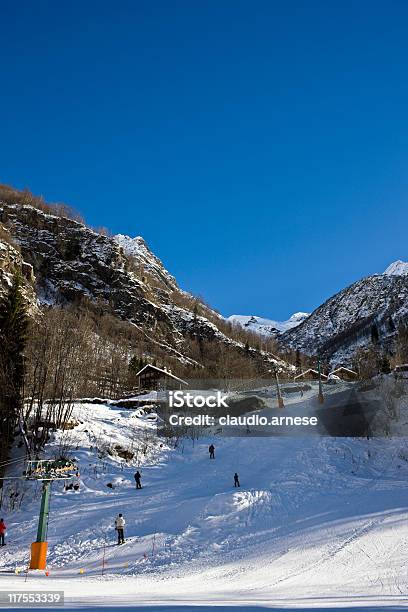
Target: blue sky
pixel 259 147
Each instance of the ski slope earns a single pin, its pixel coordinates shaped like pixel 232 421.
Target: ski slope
pixel 317 522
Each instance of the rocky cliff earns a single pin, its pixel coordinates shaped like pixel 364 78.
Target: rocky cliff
pixel 11 263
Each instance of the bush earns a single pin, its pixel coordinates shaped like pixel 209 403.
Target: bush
pixel 25 197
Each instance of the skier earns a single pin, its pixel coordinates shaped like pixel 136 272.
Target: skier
pixel 236 480
pixel 137 479
pixel 211 450
pixel 119 526
pixel 2 532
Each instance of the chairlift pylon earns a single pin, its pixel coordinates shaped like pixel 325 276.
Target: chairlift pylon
pixel 46 471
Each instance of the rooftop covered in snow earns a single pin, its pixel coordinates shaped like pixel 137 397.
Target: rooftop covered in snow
pixel 160 371
pixel 310 374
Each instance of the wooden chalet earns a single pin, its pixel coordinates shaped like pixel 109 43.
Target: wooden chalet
pixel 310 374
pixel 153 378
pixel 345 373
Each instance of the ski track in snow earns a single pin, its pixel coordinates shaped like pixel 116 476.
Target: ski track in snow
pixel 316 522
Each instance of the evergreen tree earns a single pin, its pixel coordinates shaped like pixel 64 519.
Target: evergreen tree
pixel 298 362
pixel 402 344
pixel 133 370
pixel 375 336
pixel 385 366
pixel 13 335
pixel 194 322
pixel 134 365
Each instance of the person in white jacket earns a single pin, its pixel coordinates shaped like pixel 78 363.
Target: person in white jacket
pixel 120 526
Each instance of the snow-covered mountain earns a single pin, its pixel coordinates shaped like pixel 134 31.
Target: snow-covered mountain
pixel 70 263
pixel 397 268
pixel 268 327
pixel 347 320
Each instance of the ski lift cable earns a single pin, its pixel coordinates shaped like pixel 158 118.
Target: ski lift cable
pixel 5 463
pixel 11 460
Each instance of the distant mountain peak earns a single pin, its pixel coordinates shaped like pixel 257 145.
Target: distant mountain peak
pixel 397 268
pixel 268 327
pixel 298 317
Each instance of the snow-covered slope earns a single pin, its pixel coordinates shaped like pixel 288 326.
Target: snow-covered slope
pixel 268 327
pixel 314 519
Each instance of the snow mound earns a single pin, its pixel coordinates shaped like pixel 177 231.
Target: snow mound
pixel 397 268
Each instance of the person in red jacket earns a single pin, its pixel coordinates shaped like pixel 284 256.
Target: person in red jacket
pixel 2 532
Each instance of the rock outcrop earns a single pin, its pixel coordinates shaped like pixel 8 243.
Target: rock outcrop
pixel 11 262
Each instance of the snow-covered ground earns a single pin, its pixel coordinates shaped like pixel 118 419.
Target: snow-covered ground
pixel 317 522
